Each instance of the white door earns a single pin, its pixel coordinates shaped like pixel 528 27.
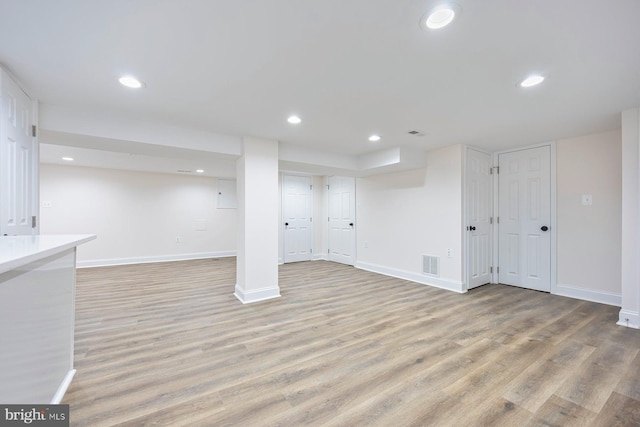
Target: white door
pixel 18 159
pixel 524 218
pixel 296 212
pixel 342 218
pixel 478 218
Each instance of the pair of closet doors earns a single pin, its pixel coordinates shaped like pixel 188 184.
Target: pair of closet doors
pixel 508 211
pixel 298 221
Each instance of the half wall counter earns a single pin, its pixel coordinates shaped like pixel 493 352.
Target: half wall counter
pixel 37 315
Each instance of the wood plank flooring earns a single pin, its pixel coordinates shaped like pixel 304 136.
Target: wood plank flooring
pixel 169 345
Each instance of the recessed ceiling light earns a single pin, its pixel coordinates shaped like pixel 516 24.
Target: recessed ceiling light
pixel 200 170
pixel 440 16
pixel 532 81
pixel 374 138
pixel 130 82
pixel 294 120
pixel 68 159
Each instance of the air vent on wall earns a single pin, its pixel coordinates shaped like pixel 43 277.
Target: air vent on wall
pixel 431 265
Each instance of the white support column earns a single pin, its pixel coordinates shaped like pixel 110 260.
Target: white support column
pixel 630 312
pixel 257 252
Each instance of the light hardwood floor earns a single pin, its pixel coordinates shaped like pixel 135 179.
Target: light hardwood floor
pixel 169 345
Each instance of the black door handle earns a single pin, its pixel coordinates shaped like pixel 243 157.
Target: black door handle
pixel 351 224
pixel 286 224
pixel 544 228
pixel 472 228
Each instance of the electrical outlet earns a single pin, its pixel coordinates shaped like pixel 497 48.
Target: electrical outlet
pixel 46 204
pixel 449 252
pixel 366 244
pixel 178 239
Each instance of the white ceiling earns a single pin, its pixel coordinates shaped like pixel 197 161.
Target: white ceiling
pixel 349 68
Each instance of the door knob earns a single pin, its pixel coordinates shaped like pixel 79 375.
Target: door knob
pixel 351 224
pixel 286 224
pixel 472 228
pixel 544 228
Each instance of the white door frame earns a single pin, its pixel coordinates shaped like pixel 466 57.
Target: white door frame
pixel 553 225
pixel 466 218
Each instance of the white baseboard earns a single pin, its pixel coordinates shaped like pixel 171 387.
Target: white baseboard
pixel 255 295
pixel 602 297
pixel 57 398
pixel 150 259
pixel 450 285
pixel 630 319
pixel 314 257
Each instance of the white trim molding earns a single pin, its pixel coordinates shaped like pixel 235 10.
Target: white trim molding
pixel 447 284
pixel 156 258
pixel 314 257
pixel 66 382
pixel 256 295
pixel 602 297
pixel 630 319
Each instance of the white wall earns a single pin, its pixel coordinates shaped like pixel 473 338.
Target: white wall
pixel 136 215
pixel 589 237
pixel 402 216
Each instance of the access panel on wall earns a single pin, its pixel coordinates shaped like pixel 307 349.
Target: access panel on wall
pixel 227 196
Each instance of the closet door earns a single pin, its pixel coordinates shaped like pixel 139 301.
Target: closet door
pixel 18 160
pixel 297 210
pixel 342 218
pixel 479 221
pixel 525 217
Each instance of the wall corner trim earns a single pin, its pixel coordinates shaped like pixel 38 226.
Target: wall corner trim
pixel 630 319
pixel 64 385
pixel 447 284
pixel 256 295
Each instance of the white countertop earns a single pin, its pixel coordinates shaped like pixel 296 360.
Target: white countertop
pixel 16 251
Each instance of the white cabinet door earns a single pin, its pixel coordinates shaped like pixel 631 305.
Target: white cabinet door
pixel 525 216
pixel 297 212
pixel 342 217
pixel 18 160
pixel 479 218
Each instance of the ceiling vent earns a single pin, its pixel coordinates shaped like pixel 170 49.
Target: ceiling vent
pixel 431 265
pixel 416 133
pixel 184 171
